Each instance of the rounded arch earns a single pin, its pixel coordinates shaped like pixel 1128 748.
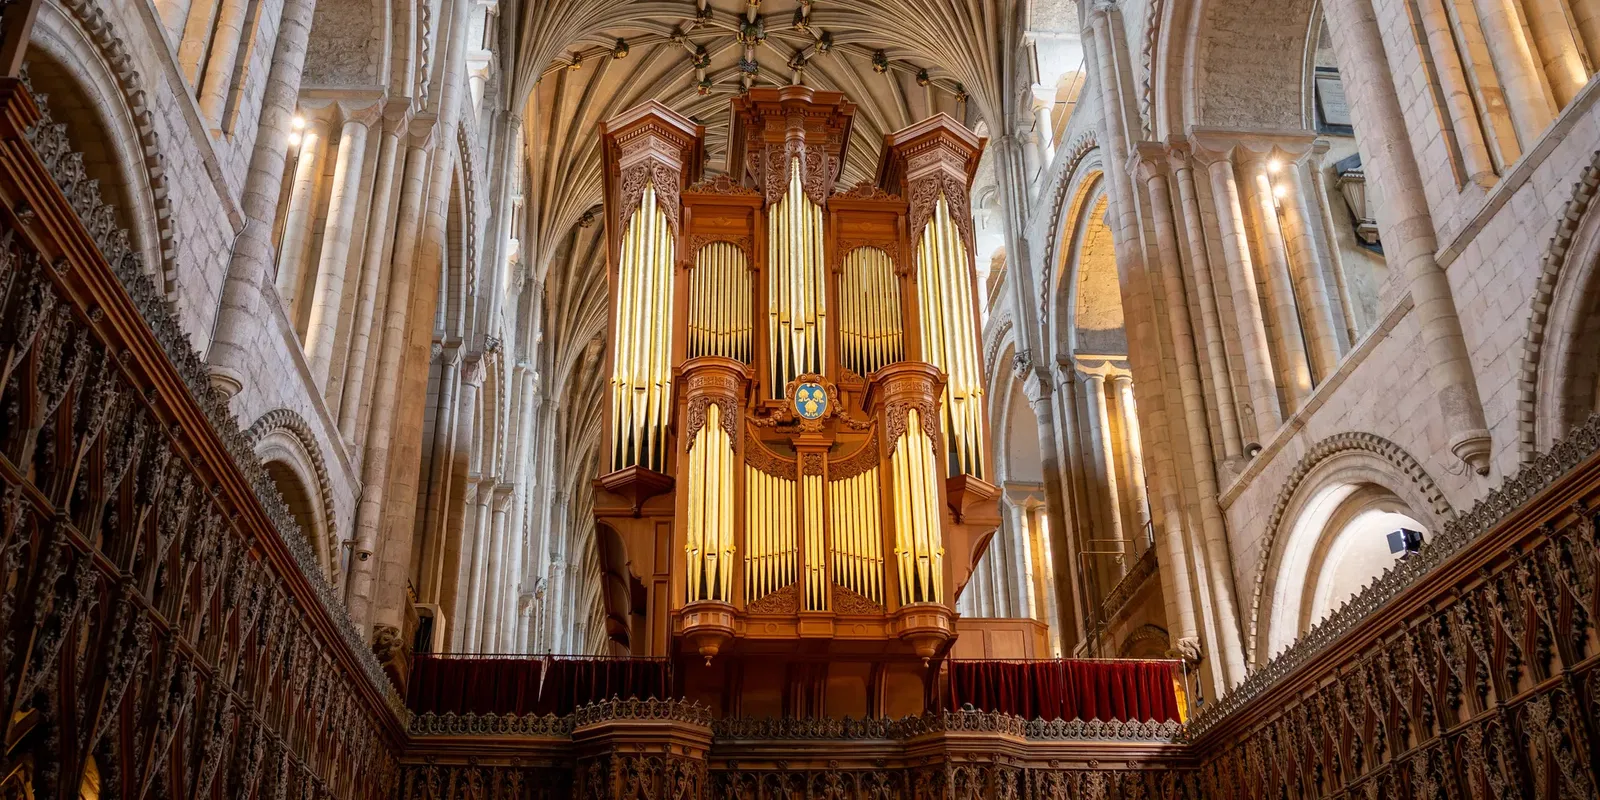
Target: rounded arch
pixel 76 58
pixel 1558 385
pixel 286 447
pixel 1145 641
pixel 1316 495
pixel 1078 194
pixel 1011 418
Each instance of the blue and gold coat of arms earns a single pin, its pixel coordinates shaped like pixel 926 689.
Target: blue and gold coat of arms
pixel 810 401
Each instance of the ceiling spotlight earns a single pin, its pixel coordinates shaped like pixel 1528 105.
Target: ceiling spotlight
pixel 298 122
pixel 621 49
pixel 294 139
pixel 1274 165
pixel 1280 192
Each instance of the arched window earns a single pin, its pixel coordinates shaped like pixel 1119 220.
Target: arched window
pixel 1344 536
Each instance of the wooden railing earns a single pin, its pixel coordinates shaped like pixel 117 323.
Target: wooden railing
pixel 164 635
pixel 1470 670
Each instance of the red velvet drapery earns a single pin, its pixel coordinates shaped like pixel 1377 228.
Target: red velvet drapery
pixel 1067 689
pixel 512 685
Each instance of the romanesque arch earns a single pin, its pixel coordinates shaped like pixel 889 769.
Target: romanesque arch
pixel 287 448
pixel 1339 479
pixel 1557 385
pixel 77 58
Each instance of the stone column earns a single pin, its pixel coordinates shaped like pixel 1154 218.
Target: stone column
pixel 455 410
pixel 326 298
pixel 1408 226
pixel 1330 243
pixel 1205 290
pixel 1558 46
pixel 174 15
pixel 1011 180
pixel 524 628
pixel 1307 265
pixel 1514 64
pixel 298 219
pixel 415 339
pixel 224 39
pixel 374 268
pixel 1017 516
pixel 1295 369
pixel 380 432
pixel 1457 92
pixel 474 554
pixel 1229 646
pixel 1106 461
pixel 250 267
pixel 527 407
pixel 1134 450
pixel 1042 555
pixel 1263 384
pixel 1042 128
pixel 495 589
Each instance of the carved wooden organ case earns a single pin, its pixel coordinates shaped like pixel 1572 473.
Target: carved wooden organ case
pixel 796 446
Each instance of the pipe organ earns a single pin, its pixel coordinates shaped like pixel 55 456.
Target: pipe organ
pixel 813 488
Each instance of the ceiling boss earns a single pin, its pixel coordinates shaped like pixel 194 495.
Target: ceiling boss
pixel 797 449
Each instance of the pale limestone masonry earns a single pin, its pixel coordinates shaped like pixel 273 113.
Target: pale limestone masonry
pixel 379 221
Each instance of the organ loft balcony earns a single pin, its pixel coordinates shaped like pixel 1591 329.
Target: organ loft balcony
pixel 797 461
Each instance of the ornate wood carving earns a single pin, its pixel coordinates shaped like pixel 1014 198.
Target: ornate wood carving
pixel 784 601
pixel 864 458
pixel 847 601
pixel 757 455
pixel 157 606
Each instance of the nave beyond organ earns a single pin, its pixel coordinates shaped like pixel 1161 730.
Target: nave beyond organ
pixel 797 456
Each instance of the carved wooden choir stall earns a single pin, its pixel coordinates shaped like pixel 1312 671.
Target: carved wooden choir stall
pixel 797 460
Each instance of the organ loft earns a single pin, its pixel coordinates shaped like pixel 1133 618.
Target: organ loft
pixel 797 466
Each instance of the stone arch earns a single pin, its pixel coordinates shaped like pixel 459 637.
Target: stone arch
pixel 1078 191
pixel 1145 641
pixel 288 450
pixel 76 56
pixel 1355 459
pixel 1563 338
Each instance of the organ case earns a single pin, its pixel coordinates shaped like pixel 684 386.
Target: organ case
pixel 796 450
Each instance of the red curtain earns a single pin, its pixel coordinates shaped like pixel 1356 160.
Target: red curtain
pixel 1067 689
pixel 513 685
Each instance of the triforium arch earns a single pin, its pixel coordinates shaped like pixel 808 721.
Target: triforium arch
pixel 1307 538
pixel 1558 384
pixel 288 449
pixel 76 57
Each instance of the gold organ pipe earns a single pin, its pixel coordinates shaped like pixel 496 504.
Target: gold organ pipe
pixel 719 303
pixel 693 546
pixel 769 513
pixel 918 517
pixel 901 504
pixel 640 379
pixel 797 298
pixel 869 303
pixel 949 339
